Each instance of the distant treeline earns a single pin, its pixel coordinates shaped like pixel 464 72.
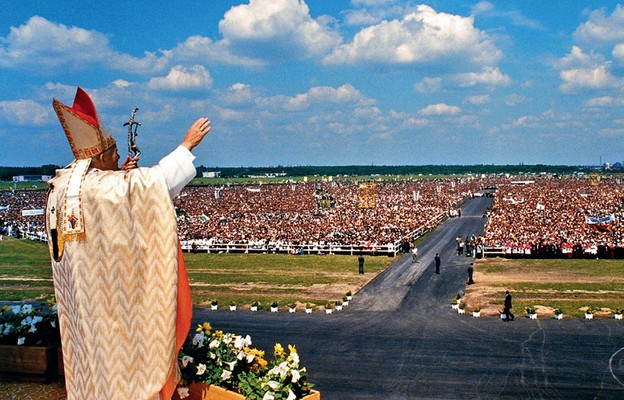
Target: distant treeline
pixel 7 173
pixel 231 172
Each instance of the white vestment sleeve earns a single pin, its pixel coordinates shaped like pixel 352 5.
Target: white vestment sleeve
pixel 178 169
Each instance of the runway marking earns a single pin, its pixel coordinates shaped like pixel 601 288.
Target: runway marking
pixel 611 366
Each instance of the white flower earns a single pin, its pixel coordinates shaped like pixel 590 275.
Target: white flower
pixel 231 364
pixel 26 308
pixel 16 309
pixel 283 369
pixel 198 339
pixel 186 360
pixel 226 375
pixel 240 355
pixel 32 329
pixel 241 342
pixel 212 356
pixel 53 323
pixel 20 341
pixel 269 396
pixel 227 338
pixel 183 392
pixel 250 358
pixel 273 385
pixel 291 395
pixel 294 359
pixel 214 344
pixel 7 329
pixel 201 368
pixel 295 375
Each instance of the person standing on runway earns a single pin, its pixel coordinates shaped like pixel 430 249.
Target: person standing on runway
pixel 437 263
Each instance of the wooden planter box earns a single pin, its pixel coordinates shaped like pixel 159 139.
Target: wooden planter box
pixel 28 363
pixel 201 391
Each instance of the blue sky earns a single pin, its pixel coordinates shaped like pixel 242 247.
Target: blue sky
pixel 319 82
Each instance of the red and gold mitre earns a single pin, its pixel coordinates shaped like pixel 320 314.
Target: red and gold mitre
pixel 82 127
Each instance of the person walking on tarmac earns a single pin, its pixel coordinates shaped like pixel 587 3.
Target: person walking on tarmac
pixel 437 263
pixel 415 254
pixel 507 307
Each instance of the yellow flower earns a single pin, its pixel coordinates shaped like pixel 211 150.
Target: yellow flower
pixel 278 351
pixel 205 327
pixel 292 349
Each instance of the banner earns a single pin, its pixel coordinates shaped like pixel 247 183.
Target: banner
pixel 600 224
pixel 38 211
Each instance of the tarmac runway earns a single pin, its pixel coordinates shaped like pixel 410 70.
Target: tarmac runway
pixel 400 339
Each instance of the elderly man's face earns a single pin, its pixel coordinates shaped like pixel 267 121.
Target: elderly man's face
pixel 110 159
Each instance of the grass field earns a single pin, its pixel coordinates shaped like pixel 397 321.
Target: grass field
pixel 571 285
pixel 25 274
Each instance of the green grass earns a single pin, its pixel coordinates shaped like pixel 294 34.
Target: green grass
pixel 26 274
pixel 571 285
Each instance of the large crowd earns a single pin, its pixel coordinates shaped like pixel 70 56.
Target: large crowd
pixel 541 217
pixel 12 204
pixel 558 217
pixel 317 213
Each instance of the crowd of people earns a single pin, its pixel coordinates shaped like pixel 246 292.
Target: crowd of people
pixel 283 215
pixel 543 217
pixel 12 222
pixel 572 217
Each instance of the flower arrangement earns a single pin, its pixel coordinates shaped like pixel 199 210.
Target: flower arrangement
pixel 228 360
pixel 531 310
pixel 25 325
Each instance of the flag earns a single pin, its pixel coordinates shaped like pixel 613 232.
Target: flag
pixel 600 224
pixel 204 217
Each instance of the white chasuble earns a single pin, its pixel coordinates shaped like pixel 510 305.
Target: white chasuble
pixel 116 284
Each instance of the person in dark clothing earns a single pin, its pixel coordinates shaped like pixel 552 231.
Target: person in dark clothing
pixel 437 263
pixel 507 308
pixel 470 271
pixel 361 263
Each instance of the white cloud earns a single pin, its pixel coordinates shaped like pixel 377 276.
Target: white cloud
pixel 422 37
pixel 42 44
pixel 602 27
pixel 482 7
pixel 618 53
pixel 440 109
pixel 587 78
pixel 182 78
pixel 25 112
pixel 480 99
pixel 203 50
pixel 487 76
pixel 604 101
pixel 578 58
pixel 263 27
pixel 428 85
pixel 580 70
pixel 326 95
pixel 515 17
pixel 515 100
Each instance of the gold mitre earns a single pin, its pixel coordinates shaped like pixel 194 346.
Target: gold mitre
pixel 82 127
